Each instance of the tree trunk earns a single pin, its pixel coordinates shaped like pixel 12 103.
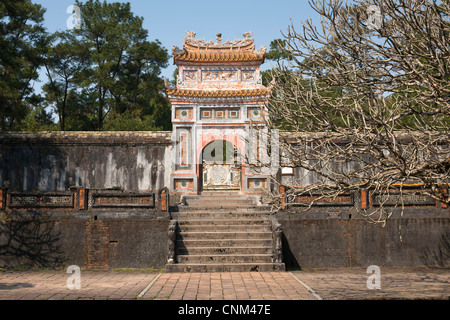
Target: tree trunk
pixel 100 107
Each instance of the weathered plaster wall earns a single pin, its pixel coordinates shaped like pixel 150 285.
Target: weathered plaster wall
pixel 93 241
pixel 313 239
pixel 103 238
pixel 55 161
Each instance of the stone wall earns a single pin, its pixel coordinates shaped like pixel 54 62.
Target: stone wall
pixel 95 199
pixel 93 240
pixel 91 199
pixel 344 238
pixel 49 161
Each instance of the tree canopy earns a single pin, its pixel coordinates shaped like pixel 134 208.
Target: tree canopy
pixel 104 75
pixel 22 44
pixel 365 98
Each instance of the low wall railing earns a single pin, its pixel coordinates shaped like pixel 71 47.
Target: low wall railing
pixel 363 199
pixel 78 198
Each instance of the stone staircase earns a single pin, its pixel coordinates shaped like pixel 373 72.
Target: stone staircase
pixel 224 231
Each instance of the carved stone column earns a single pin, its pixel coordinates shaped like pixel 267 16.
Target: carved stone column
pixel 172 232
pixel 277 241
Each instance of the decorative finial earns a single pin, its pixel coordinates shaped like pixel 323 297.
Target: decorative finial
pixel 219 37
pixel 248 35
pixel 190 34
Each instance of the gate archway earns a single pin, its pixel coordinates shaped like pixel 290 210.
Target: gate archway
pixel 220 166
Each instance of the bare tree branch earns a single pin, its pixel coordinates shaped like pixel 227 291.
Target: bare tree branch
pixel 363 107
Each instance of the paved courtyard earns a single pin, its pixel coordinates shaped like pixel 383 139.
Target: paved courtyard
pixel 317 284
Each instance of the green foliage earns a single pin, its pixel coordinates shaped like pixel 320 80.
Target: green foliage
pixel 277 51
pixel 38 119
pixel 103 76
pixel 175 77
pixel 81 111
pixel 22 43
pixel 64 62
pixel 128 121
pixel 292 79
pixel 275 54
pixel 124 67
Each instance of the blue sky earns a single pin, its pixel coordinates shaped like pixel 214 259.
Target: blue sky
pixel 168 20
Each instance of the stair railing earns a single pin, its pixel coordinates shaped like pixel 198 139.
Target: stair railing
pixel 277 243
pixel 171 244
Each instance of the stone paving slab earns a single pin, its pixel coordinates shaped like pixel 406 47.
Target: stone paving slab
pixel 228 286
pixel 406 283
pixel 327 284
pixel 52 285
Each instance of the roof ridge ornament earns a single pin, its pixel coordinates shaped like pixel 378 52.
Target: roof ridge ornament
pixel 177 51
pixel 247 35
pixel 261 50
pixel 190 35
pixel 201 43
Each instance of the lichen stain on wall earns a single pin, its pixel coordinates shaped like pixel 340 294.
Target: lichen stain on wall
pixel 50 168
pixel 143 168
pixel 114 174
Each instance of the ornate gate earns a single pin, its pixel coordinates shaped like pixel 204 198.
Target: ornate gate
pixel 221 176
pixel 221 167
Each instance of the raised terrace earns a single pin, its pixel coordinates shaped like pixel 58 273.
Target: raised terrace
pixel 195 198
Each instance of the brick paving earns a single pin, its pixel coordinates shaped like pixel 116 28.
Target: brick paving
pixel 396 283
pixel 327 284
pixel 227 286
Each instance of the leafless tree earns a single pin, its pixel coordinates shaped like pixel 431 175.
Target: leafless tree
pixel 363 103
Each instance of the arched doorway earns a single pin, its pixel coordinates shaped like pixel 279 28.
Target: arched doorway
pixel 220 166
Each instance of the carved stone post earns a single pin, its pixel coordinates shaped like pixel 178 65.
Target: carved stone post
pixel 277 243
pixel 163 199
pixel 172 232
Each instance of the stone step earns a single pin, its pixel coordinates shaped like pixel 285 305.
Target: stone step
pixel 217 204
pixel 226 216
pixel 192 213
pixel 225 258
pixel 224 227
pixel 201 216
pixel 214 193
pixel 209 222
pixel 222 194
pixel 225 235
pixel 225 267
pixel 223 243
pixel 223 231
pixel 231 206
pixel 222 198
pixel 182 250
